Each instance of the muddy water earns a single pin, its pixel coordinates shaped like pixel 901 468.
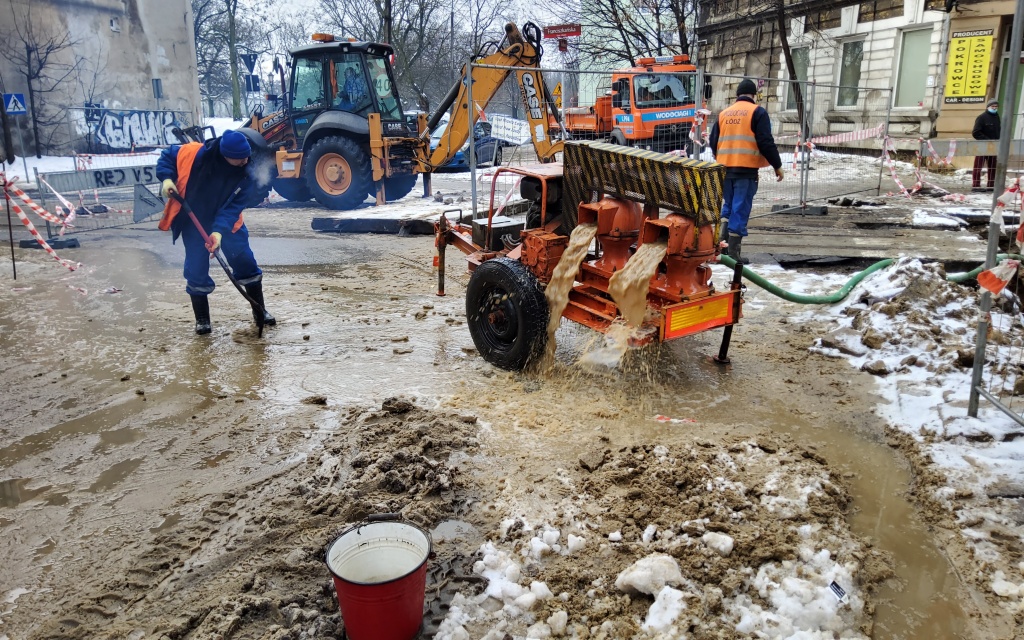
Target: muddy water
pixel 564 275
pixel 75 465
pixel 630 285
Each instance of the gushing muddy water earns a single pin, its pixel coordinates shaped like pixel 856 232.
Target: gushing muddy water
pixel 629 285
pixel 563 277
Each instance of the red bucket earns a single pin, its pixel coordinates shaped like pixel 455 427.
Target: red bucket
pixel 380 575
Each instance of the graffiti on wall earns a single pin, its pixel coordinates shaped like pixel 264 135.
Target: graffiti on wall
pixel 125 130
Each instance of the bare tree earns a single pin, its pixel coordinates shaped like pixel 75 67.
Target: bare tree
pixel 41 53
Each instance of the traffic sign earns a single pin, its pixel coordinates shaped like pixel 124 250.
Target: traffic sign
pixel 252 84
pixel 14 104
pixel 250 61
pixel 557 93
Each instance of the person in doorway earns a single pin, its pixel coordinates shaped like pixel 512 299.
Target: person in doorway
pixel 986 127
pixel 741 139
pixel 214 177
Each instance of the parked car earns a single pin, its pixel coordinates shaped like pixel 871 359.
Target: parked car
pixel 488 149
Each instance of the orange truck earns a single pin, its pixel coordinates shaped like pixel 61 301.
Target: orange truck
pixel 650 106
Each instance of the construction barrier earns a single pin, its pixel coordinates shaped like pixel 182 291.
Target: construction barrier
pixel 9 189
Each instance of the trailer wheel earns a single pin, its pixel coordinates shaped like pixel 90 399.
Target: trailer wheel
pixel 292 189
pixel 507 313
pixel 338 173
pixel 397 187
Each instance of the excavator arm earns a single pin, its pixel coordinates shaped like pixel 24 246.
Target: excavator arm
pixel 515 51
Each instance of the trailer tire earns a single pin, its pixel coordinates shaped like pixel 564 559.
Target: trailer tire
pixel 507 313
pixel 292 189
pixel 338 173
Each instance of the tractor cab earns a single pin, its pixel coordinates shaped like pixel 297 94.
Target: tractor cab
pixel 349 77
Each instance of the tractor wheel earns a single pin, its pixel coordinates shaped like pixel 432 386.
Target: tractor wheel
pixel 507 313
pixel 293 189
pixel 338 173
pixel 397 187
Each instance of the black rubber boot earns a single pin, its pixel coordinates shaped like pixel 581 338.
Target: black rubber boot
pixel 255 291
pixel 735 241
pixel 201 307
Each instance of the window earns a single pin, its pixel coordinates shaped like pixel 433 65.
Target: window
pixel 826 19
pixel 880 10
pixel 380 83
pixel 308 92
pixel 849 73
pixel 348 83
pixel 910 80
pixel 801 60
pixel 663 90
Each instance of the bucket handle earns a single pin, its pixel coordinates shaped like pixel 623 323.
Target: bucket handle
pixel 383 517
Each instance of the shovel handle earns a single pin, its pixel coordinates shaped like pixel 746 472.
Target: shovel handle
pixel 187 209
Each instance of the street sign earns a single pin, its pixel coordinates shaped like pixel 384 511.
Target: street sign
pixel 146 204
pixel 249 59
pixel 252 84
pixel 14 103
pixel 562 31
pixel 557 93
pixel 510 129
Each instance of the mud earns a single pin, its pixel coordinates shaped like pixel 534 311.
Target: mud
pixel 159 485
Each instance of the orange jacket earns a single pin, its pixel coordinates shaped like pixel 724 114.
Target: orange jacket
pixel 186 158
pixel 737 146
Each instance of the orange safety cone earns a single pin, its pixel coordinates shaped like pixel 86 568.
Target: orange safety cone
pixel 996 278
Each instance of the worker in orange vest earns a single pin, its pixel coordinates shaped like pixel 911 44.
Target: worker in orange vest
pixel 214 178
pixel 741 139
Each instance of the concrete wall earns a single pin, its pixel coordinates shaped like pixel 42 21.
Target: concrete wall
pixel 121 46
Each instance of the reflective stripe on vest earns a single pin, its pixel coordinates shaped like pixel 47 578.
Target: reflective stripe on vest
pixel 737 146
pixel 185 159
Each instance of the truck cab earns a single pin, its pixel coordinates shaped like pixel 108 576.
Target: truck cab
pixel 650 106
pixel 653 106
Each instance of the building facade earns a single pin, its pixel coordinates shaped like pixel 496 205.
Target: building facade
pixel 906 46
pixel 107 75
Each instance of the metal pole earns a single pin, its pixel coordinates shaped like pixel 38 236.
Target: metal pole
pixel 885 134
pixel 24 152
pixel 997 212
pixel 805 171
pixel 10 228
pixel 472 132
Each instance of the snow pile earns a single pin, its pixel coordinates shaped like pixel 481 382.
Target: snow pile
pixel 916 332
pixel 923 218
pixel 697 558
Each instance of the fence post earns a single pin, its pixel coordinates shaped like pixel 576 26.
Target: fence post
pixel 805 151
pixel 885 136
pixel 997 212
pixel 471 108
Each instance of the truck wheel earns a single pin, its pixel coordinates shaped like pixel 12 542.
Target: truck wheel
pixel 293 189
pixel 507 313
pixel 618 138
pixel 397 187
pixel 338 173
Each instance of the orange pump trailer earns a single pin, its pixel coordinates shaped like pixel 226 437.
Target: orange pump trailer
pixel 634 197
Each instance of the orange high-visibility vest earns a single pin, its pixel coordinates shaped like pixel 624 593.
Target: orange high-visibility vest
pixel 186 158
pixel 737 146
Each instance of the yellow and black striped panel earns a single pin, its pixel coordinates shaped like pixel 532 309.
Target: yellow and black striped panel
pixel 690 187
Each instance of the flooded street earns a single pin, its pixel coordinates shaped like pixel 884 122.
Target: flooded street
pixel 154 479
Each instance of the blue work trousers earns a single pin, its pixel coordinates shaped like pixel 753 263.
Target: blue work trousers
pixel 737 200
pixel 197 259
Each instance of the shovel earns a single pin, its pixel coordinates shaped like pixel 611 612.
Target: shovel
pixel 257 308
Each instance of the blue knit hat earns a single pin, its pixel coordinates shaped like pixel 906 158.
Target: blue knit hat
pixel 234 145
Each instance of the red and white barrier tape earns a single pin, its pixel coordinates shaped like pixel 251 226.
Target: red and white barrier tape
pixel 888 145
pixel 935 156
pixel 850 136
pixel 39 211
pixel 84 160
pixel 71 266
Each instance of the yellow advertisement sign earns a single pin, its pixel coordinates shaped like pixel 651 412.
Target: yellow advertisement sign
pixel 967 66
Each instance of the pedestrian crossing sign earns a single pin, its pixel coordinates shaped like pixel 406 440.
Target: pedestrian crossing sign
pixel 14 104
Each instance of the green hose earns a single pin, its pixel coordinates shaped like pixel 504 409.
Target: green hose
pixel 853 282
